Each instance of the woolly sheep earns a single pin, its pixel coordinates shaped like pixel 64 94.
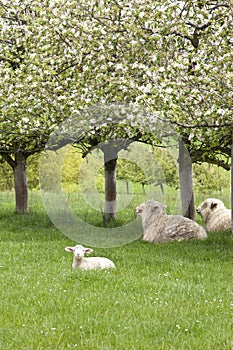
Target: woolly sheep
pixel 80 262
pixel 215 215
pixel 160 227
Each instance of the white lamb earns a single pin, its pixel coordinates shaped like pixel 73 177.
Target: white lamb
pixel 160 227
pixel 80 262
pixel 215 215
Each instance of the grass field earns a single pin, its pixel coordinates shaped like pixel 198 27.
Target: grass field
pixel 174 296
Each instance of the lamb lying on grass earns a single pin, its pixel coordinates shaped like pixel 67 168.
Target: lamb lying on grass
pixel 80 262
pixel 215 215
pixel 160 227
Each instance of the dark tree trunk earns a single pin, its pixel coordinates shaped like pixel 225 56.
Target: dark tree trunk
pixel 232 187
pixel 143 188
pixel 127 187
pixel 110 163
pixel 18 166
pixel 186 182
pixel 20 182
pixel 162 188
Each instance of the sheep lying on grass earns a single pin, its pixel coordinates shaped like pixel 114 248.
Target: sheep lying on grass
pixel 215 215
pixel 80 262
pixel 160 227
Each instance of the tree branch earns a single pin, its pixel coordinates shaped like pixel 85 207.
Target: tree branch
pixel 207 125
pixel 8 159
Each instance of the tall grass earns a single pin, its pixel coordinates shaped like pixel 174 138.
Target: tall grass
pixel 169 296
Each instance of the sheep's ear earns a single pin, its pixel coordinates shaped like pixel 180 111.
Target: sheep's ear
pixel 159 208
pixel 213 205
pixel 69 249
pixel 88 250
pixel 155 207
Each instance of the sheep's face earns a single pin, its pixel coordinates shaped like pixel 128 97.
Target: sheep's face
pixel 209 205
pixel 79 251
pixel 139 209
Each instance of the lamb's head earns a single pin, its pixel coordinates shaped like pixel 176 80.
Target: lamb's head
pixel 150 208
pixel 79 251
pixel 208 206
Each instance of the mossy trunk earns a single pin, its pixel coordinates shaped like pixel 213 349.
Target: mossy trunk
pixel 186 182
pixel 20 183
pixel 110 164
pixel 110 190
pixel 232 188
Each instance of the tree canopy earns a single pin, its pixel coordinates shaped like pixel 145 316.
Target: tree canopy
pixel 172 57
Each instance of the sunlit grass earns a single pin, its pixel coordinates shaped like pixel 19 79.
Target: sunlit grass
pixel 169 296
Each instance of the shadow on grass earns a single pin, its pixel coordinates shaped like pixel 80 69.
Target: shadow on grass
pixel 37 226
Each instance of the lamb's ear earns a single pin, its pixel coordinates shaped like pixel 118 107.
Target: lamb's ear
pixel 88 250
pixel 213 205
pixel 69 249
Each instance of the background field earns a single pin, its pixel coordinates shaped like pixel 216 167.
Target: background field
pixel 169 296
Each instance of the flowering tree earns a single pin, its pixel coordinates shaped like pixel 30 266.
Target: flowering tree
pixel 173 57
pixel 33 101
pixel 112 128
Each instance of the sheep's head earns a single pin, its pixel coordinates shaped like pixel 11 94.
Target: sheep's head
pixel 79 251
pixel 209 205
pixel 150 207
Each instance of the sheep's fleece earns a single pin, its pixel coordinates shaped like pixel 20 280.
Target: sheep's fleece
pixel 215 215
pixel 160 227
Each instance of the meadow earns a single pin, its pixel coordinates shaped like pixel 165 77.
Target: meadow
pixel 173 296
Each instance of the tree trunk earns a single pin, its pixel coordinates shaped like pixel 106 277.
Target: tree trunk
pixel 186 182
pixel 110 163
pixel 143 188
pixel 20 182
pixel 232 188
pixel 127 187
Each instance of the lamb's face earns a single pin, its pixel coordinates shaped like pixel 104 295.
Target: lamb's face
pixel 209 205
pixel 79 251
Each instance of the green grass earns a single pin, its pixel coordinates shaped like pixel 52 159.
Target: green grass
pixel 169 296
